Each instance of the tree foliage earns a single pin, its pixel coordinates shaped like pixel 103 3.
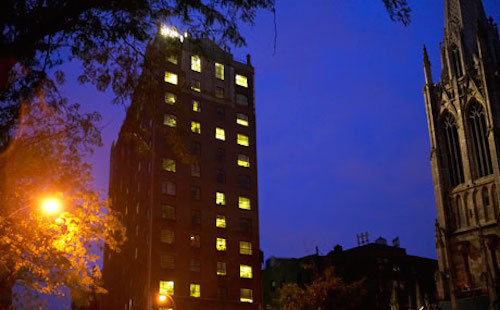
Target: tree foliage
pixel 48 253
pixel 327 291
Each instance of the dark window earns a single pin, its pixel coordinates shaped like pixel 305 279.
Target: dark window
pixel 479 140
pixel 221 112
pixel 195 193
pixel 195 170
pixel 168 212
pixel 244 181
pixel 219 92
pixel 195 265
pixel 221 176
pixel 246 225
pixel 167 261
pixel 456 63
pixel 194 240
pixel 222 292
pixel 168 188
pixel 195 148
pixel 451 150
pixel 241 99
pixel 195 217
pixel 220 155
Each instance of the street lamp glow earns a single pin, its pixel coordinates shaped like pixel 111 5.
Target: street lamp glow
pixel 51 205
pixel 162 298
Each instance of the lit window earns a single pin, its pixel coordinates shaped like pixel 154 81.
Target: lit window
pixel 170 120
pixel 173 59
pixel 243 161
pixel 194 240
pixel 169 164
pixel 244 203
pixel 241 80
pixel 243 140
pixel 241 99
pixel 168 212
pixel 220 244
pixel 220 198
pixel 246 271
pixel 196 63
pixel 196 106
pixel 220 134
pixel 219 92
pixel 221 269
pixel 194 290
pixel 170 98
pixel 167 261
pixel 245 248
pixel 171 78
pixel 167 288
pixel 246 295
pixel 220 221
pixel 195 85
pixel 196 127
pixel 219 71
pixel 242 119
pixel 167 236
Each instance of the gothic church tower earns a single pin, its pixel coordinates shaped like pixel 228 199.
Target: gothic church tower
pixel 463 113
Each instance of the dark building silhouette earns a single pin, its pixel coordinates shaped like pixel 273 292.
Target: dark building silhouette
pixel 463 113
pixel 184 178
pixel 391 276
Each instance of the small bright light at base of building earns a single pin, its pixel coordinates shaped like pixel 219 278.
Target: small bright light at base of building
pixel 51 205
pixel 162 298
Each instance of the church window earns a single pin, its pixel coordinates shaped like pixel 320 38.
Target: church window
pixel 456 63
pixel 479 140
pixel 451 150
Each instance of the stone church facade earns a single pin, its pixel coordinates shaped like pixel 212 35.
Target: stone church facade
pixel 463 113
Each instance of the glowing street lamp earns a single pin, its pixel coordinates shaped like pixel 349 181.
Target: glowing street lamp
pixel 51 205
pixel 163 299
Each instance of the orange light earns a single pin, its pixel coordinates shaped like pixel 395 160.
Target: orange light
pixel 162 298
pixel 51 205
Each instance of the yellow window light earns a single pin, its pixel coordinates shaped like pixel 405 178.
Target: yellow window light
pixel 196 63
pixel 242 119
pixel 169 164
pixel 244 203
pixel 194 290
pixel 196 127
pixel 167 288
pixel 241 80
pixel 245 248
pixel 171 78
pixel 220 198
pixel 246 272
pixel 220 134
pixel 243 161
pixel 196 106
pixel 243 140
pixel 246 295
pixel 219 71
pixel 220 221
pixel 220 244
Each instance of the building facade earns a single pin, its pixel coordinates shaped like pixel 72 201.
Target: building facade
pixel 183 177
pixel 392 278
pixel 463 113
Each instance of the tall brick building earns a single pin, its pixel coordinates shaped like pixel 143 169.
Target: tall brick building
pixel 184 178
pixel 463 112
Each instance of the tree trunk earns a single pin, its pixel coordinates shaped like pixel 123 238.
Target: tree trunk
pixel 6 294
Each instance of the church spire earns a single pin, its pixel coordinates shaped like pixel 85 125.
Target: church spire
pixel 463 20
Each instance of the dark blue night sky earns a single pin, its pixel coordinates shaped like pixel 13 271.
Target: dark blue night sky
pixel 343 145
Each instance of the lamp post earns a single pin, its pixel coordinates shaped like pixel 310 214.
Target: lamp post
pixel 163 298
